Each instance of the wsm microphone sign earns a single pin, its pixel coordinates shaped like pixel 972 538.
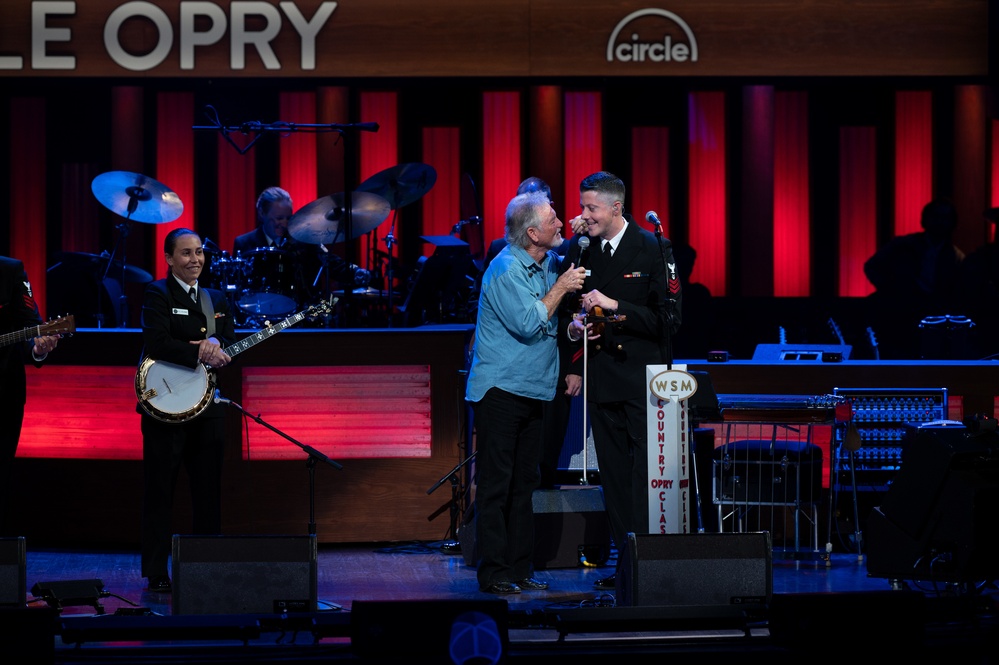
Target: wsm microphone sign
pixel 673 384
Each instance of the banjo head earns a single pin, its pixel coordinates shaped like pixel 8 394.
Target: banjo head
pixel 173 393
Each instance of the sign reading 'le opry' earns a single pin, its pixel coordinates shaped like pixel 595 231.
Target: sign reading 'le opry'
pixel 521 38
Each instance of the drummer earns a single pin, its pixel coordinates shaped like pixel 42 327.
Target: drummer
pixel 274 211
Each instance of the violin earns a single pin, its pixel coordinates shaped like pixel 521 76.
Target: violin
pixel 599 319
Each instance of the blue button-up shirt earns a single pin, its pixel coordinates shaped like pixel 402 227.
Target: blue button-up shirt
pixel 515 339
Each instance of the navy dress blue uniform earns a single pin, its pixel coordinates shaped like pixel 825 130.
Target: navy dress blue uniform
pixel 647 290
pixel 170 321
pixel 17 312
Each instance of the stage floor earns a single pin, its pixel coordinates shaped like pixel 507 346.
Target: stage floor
pixel 822 605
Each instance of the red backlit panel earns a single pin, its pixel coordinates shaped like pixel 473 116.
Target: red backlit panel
pixel 81 412
pixel 88 412
pixel 343 412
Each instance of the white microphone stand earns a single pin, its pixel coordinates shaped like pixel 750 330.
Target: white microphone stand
pixel 586 383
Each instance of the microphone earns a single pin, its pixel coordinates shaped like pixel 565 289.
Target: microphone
pixel 219 399
pixel 360 126
pixel 584 250
pixel 652 218
pixel 212 247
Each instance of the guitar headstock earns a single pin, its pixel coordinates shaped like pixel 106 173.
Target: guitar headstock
pixel 63 325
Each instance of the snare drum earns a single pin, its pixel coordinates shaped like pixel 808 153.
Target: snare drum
pixel 272 285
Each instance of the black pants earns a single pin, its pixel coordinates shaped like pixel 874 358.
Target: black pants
pixel 508 445
pixel 11 419
pixel 197 446
pixel 620 438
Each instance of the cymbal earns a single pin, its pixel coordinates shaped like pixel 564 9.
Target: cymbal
pixel 365 293
pixel 97 265
pixel 401 185
pixel 323 221
pixel 137 197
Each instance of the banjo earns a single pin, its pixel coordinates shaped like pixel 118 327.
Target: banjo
pixel 175 393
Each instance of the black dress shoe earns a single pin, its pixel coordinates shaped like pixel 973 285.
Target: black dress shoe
pixel 606 582
pixel 531 584
pixel 502 588
pixel 159 584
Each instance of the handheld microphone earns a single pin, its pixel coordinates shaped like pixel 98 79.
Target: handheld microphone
pixel 584 249
pixel 584 246
pixel 219 399
pixel 652 218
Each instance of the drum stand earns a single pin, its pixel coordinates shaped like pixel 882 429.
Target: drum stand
pixel 390 287
pixel 122 242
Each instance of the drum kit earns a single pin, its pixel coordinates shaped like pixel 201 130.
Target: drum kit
pixel 266 283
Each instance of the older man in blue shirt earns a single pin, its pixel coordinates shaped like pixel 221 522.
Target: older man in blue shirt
pixel 514 372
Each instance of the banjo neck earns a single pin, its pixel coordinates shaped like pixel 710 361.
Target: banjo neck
pixel 264 333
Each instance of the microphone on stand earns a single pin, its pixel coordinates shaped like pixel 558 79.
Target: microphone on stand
pixel 219 399
pixel 584 253
pixel 212 247
pixel 652 218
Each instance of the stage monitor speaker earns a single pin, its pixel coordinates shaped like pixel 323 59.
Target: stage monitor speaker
pixel 430 631
pixel 938 521
pixel 13 582
pixel 244 574
pixel 703 569
pixel 570 526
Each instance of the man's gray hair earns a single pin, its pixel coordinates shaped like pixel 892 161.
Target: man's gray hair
pixel 523 212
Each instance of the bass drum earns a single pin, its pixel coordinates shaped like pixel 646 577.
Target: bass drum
pixel 273 287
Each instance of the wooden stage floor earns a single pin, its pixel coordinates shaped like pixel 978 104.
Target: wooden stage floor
pixel 822 606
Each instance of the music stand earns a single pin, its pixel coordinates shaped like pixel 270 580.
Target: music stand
pixel 438 276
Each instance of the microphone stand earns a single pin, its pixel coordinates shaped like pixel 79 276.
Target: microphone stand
pixel 314 456
pixel 452 475
pixel 666 350
pixel 586 382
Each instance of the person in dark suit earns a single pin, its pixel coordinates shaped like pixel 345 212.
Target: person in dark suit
pixel 185 324
pixel 633 276
pixel 556 412
pixel 301 271
pixel 18 312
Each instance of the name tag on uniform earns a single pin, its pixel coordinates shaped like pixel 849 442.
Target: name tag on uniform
pixel 180 310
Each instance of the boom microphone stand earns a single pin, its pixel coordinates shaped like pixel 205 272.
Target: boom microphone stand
pixel 455 479
pixel 314 456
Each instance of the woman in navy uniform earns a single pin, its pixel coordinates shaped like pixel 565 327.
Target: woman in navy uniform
pixel 176 329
